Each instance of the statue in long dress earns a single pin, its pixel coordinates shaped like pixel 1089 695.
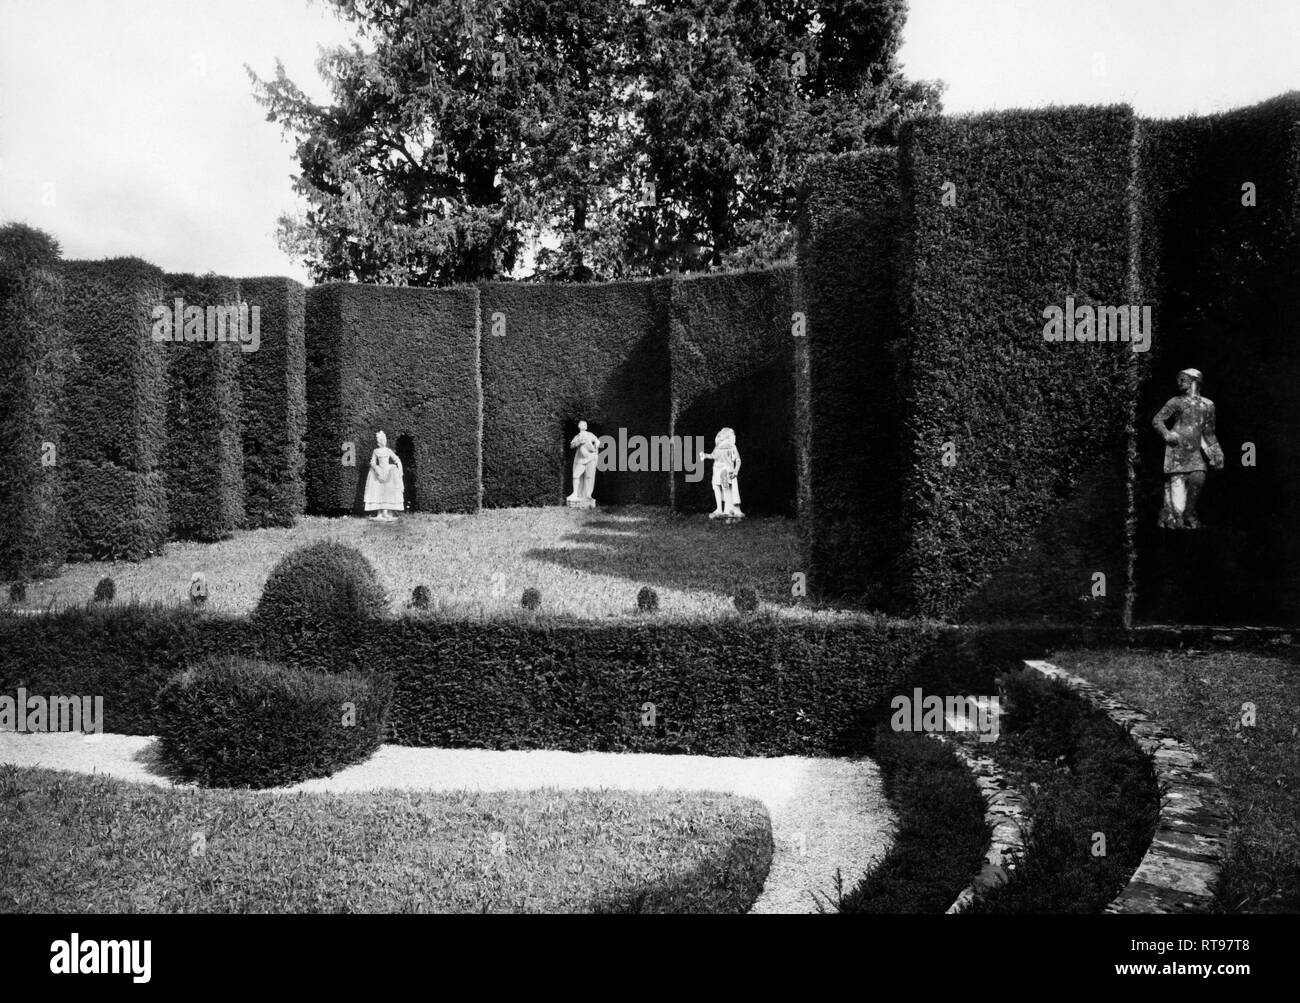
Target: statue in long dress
pixel 584 467
pixel 726 476
pixel 1190 447
pixel 384 493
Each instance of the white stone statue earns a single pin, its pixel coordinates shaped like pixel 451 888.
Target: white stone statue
pixel 384 492
pixel 726 476
pixel 584 467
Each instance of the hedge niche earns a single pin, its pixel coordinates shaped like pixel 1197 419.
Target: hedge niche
pixel 1016 444
pixel 404 361
pixel 732 346
pixel 855 354
pixel 33 359
pixel 115 393
pixel 555 354
pixel 1223 224
pixel 273 386
pixel 205 455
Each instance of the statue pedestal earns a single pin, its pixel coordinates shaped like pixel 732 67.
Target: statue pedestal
pixel 580 502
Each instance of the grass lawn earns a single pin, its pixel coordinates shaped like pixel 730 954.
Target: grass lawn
pixel 72 843
pixel 1201 695
pixel 587 564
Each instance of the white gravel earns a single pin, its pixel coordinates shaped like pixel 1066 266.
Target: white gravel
pixel 826 813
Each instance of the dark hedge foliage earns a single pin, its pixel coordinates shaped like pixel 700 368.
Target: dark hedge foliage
pixel 420 597
pixel 404 361
pixel 727 688
pixel 1224 278
pixel 647 599
pixel 852 399
pixel 273 387
pixel 33 363
pixel 531 599
pixel 595 352
pixel 746 599
pixel 105 590
pixel 116 404
pixel 733 365
pixel 319 590
pixel 18 592
pixel 235 722
pixel 205 455
pixel 1042 213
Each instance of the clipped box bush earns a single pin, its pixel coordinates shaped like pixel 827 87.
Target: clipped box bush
pixel 325 590
pixel 33 363
pixel 273 387
pixel 555 354
pixel 237 722
pixel 733 350
pixel 405 361
pixel 114 495
pixel 205 456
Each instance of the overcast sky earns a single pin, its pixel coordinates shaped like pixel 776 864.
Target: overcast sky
pixel 129 126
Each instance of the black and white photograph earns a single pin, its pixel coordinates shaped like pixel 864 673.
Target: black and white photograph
pixel 600 457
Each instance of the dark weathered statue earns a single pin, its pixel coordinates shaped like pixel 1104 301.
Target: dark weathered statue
pixel 1190 449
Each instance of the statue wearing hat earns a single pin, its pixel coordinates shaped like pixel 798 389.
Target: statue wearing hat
pixel 1190 449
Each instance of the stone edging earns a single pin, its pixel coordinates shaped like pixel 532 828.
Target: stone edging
pixel 1183 862
pixel 1006 814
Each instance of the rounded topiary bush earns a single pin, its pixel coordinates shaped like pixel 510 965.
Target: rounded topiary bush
pixel 647 600
pixel 105 590
pixel 746 599
pixel 420 597
pixel 238 722
pixel 320 590
pixel 532 598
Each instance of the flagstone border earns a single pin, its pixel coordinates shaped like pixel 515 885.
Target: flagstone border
pixel 1181 866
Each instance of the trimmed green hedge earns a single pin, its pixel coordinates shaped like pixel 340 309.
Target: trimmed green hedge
pixel 731 688
pixel 847 258
pixel 404 361
pixel 597 353
pixel 234 722
pixel 116 394
pixel 1042 213
pixel 273 386
pixel 33 360
pixel 205 456
pixel 732 349
pixel 1226 280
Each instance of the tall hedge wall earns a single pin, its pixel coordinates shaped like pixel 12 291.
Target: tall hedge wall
pixel 557 354
pixel 1228 292
pixel 404 361
pixel 1042 213
pixel 855 353
pixel 732 348
pixel 116 394
pixel 273 385
pixel 32 362
pixel 205 456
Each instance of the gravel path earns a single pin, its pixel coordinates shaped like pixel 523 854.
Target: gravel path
pixel 826 813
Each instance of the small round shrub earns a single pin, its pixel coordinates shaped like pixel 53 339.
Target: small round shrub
pixel 647 600
pixel 320 589
pixel 105 590
pixel 18 592
pixel 420 597
pixel 238 722
pixel 746 599
pixel 532 598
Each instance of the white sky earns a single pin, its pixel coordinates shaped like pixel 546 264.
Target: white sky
pixel 140 115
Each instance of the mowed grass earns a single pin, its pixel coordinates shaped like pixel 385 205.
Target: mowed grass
pixel 1202 695
pixel 72 843
pixel 588 565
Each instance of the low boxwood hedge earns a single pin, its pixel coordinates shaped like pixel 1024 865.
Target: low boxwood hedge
pixel 238 722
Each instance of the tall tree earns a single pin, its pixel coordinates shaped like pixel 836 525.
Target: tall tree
pixel 633 138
